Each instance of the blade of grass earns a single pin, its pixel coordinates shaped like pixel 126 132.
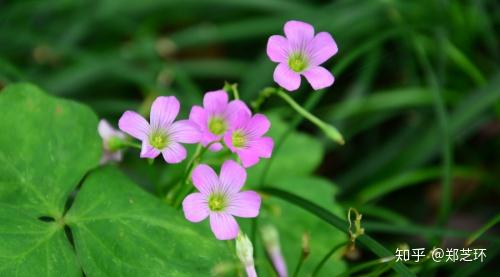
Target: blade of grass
pixel 483 230
pixel 338 223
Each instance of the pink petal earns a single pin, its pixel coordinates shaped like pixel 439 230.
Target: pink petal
pixel 216 147
pixel 148 151
pixel 105 130
pixel 245 204
pixel 134 124
pixel 263 147
pixel 258 125
pixel 199 116
pixel 236 109
pixel 207 138
pixel 248 157
pixel 205 179
pixel 164 111
pixel 239 119
pixel 298 32
pixel 322 48
pixel 174 153
pixel 215 102
pixel 224 226
pixel 232 177
pixel 195 207
pixel 286 78
pixel 185 131
pixel 319 77
pixel 277 49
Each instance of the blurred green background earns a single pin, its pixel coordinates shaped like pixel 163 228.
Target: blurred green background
pixel 417 97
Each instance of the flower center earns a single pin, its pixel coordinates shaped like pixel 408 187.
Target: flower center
pixel 217 126
pixel 114 144
pixel 158 140
pixel 216 202
pixel 238 139
pixel 297 62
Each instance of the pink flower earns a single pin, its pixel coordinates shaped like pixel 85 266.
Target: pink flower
pixel 163 135
pixel 220 199
pixel 245 139
pixel 216 117
pixel 111 142
pixel 301 53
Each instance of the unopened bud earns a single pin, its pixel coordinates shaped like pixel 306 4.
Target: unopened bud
pixel 244 251
pixel 271 240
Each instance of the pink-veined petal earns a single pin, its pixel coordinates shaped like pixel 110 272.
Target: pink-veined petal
pixel 258 125
pixel 185 131
pixel 322 48
pixel 248 157
pixel 298 32
pixel 205 179
pixel 224 226
pixel 232 177
pixel 263 146
pixel 195 207
pixel 277 48
pixel 134 124
pixel 245 204
pixel 164 111
pixel 239 119
pixel 286 78
pixel 174 153
pixel 199 116
pixel 319 77
pixel 236 109
pixel 215 102
pixel 148 151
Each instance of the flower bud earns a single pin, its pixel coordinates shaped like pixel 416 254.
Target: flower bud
pixel 244 251
pixel 271 242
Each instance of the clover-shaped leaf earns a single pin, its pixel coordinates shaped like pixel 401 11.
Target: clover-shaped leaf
pixel 113 228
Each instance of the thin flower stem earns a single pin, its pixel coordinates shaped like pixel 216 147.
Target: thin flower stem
pixel 171 195
pixel 482 230
pixel 328 129
pixel 363 266
pixel 327 256
pixel 299 265
pixel 232 88
pixel 195 160
pixel 131 144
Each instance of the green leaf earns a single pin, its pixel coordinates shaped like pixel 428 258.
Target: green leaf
pixel 120 230
pixel 46 147
pixel 117 228
pixel 31 247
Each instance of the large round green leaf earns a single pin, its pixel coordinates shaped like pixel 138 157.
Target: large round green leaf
pixel 121 230
pixel 113 228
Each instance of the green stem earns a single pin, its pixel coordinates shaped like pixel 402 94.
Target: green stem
pixel 368 264
pixel 131 144
pixel 195 160
pixel 338 223
pixel 327 256
pixel 299 264
pixel 174 191
pixel 482 230
pixel 328 129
